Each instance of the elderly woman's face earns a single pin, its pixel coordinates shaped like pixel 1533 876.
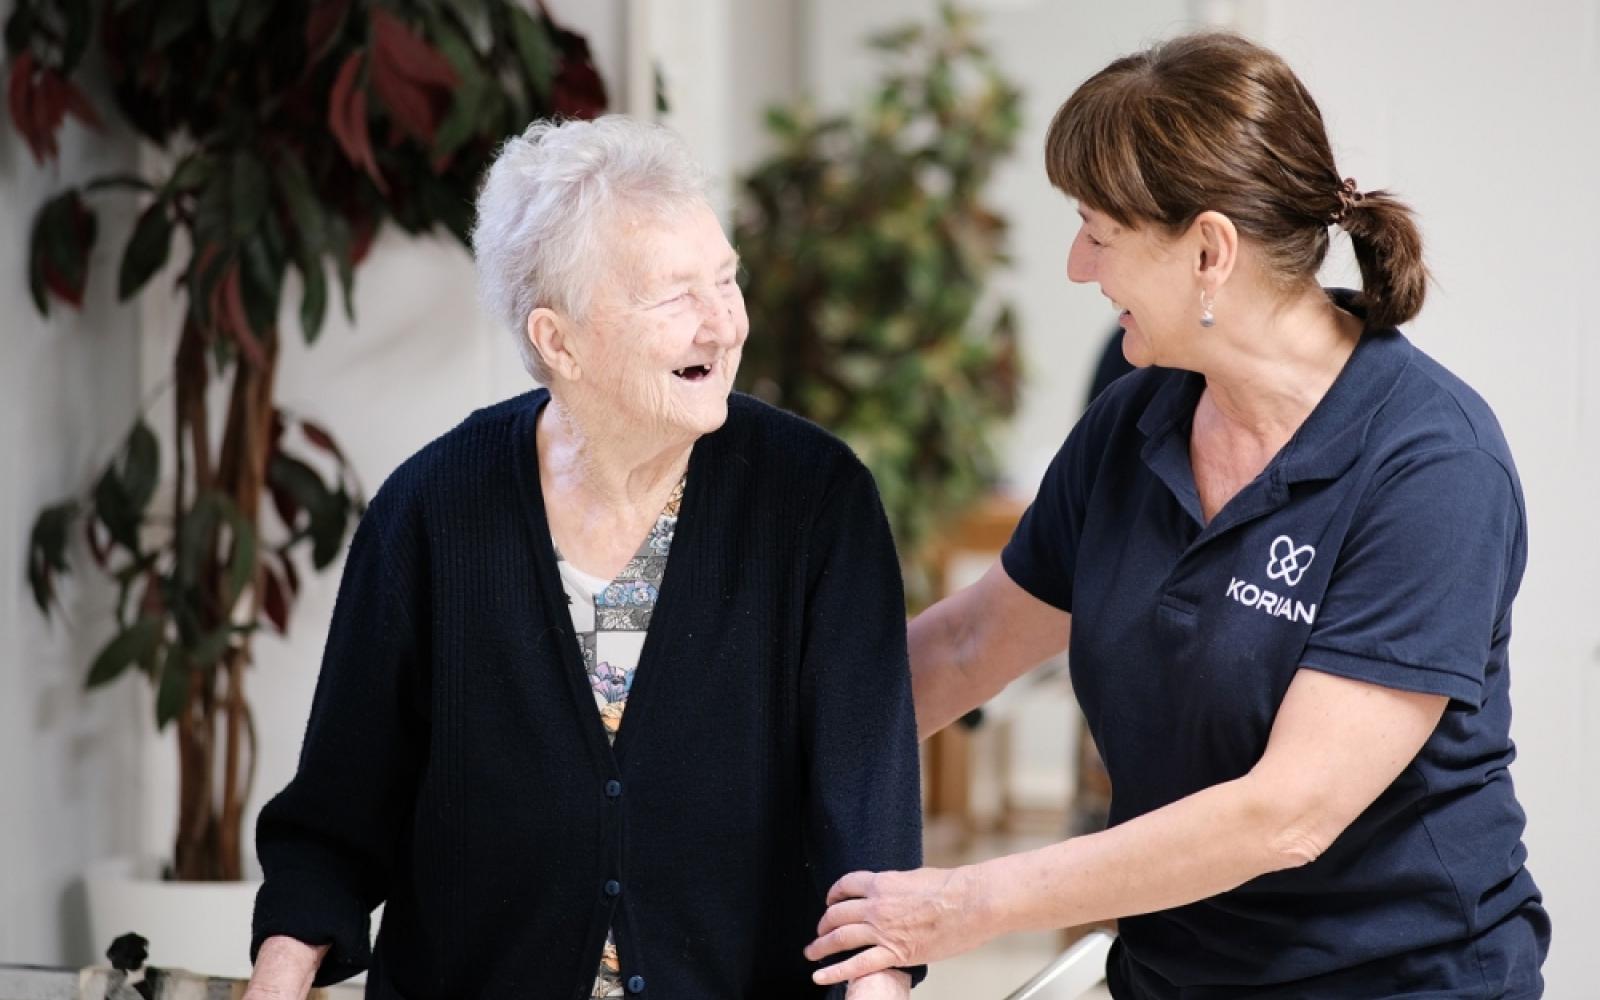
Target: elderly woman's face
pixel 668 323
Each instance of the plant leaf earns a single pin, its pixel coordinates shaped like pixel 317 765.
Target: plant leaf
pixel 36 285
pixel 147 249
pixel 193 173
pixel 275 600
pixel 304 209
pixel 79 22
pixel 173 18
pixel 141 466
pixel 319 436
pixel 116 511
pixel 47 550
pixel 131 645
pixel 314 304
pixel 255 14
pixel 208 649
pixel 222 13
pixel 537 51
pixel 64 233
pixel 195 536
pixel 347 117
pixel 299 482
pixel 173 689
pixel 322 27
pixel 328 528
pixel 241 559
pixel 249 193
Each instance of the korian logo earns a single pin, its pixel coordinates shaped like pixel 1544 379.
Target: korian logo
pixel 1285 562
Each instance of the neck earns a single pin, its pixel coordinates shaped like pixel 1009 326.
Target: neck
pixel 604 467
pixel 1273 366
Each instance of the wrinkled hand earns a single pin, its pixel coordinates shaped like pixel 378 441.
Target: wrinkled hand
pixel 900 918
pixel 891 985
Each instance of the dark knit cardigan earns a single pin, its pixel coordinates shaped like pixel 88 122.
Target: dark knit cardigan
pixel 455 766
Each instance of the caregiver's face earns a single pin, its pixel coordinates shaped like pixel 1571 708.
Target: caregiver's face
pixel 1144 276
pixel 668 322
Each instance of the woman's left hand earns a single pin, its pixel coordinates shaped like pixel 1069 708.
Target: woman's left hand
pixel 901 919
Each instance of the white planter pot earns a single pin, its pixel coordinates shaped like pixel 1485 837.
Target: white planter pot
pixel 203 927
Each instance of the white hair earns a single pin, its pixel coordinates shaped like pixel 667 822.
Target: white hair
pixel 546 200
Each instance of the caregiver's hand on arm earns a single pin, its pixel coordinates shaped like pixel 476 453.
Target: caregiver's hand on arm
pixel 1335 745
pixel 284 969
pixel 970 645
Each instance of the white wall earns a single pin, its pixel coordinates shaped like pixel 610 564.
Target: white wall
pixel 68 390
pixel 1493 136
pixel 85 777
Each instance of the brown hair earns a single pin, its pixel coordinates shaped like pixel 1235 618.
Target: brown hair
pixel 1212 121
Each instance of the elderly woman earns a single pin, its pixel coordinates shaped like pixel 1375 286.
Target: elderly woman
pixel 1285 559
pixel 616 685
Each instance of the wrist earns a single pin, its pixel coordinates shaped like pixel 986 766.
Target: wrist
pixel 986 896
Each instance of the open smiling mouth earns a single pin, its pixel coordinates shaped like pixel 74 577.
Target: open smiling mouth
pixel 693 373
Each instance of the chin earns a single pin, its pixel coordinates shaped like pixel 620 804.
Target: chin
pixel 709 418
pixel 702 417
pixel 1135 351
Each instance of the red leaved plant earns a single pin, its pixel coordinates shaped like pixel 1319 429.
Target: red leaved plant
pixel 295 129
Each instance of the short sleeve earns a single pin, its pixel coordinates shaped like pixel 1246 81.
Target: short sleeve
pixel 1420 593
pixel 1042 552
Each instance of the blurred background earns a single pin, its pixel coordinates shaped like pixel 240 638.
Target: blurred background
pixel 1484 116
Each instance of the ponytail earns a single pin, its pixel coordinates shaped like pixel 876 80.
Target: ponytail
pixel 1388 247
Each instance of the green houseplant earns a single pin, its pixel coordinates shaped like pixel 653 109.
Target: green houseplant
pixel 872 246
pixel 289 131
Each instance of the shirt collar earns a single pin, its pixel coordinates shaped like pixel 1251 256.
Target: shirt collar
pixel 1331 438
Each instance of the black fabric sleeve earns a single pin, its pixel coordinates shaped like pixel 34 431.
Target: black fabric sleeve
pixel 328 842
pixel 860 732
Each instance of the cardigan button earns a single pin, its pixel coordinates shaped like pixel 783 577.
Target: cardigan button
pixel 613 888
pixel 613 788
pixel 635 984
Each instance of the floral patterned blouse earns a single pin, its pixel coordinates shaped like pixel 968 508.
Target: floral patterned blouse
pixel 610 619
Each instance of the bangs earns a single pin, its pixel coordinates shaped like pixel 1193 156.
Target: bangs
pixel 1091 151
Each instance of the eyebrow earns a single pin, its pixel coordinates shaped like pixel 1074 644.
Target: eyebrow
pixel 645 296
pixel 730 263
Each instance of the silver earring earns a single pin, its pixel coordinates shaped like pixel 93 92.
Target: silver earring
pixel 1208 319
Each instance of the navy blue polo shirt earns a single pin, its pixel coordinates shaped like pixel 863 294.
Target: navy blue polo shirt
pixel 1385 543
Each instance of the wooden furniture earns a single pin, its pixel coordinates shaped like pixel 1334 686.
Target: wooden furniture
pixel 972 544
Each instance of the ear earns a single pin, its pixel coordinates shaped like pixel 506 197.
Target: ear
pixel 1215 244
pixel 551 335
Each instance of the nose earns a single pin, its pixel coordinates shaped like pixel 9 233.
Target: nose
pixel 1080 260
pixel 721 320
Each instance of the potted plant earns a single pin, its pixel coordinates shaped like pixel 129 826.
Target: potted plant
pixel 287 132
pixel 873 249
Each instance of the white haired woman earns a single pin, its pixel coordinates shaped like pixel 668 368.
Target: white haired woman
pixel 616 685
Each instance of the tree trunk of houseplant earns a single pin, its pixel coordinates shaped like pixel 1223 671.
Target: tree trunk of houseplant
pixel 294 132
pixel 209 834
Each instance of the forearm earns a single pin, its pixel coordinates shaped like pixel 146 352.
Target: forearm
pixel 1195 848
pixel 944 683
pixel 284 969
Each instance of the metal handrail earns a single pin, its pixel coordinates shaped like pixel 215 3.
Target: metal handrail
pixel 1071 973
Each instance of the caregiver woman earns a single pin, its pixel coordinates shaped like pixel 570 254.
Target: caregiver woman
pixel 1285 559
